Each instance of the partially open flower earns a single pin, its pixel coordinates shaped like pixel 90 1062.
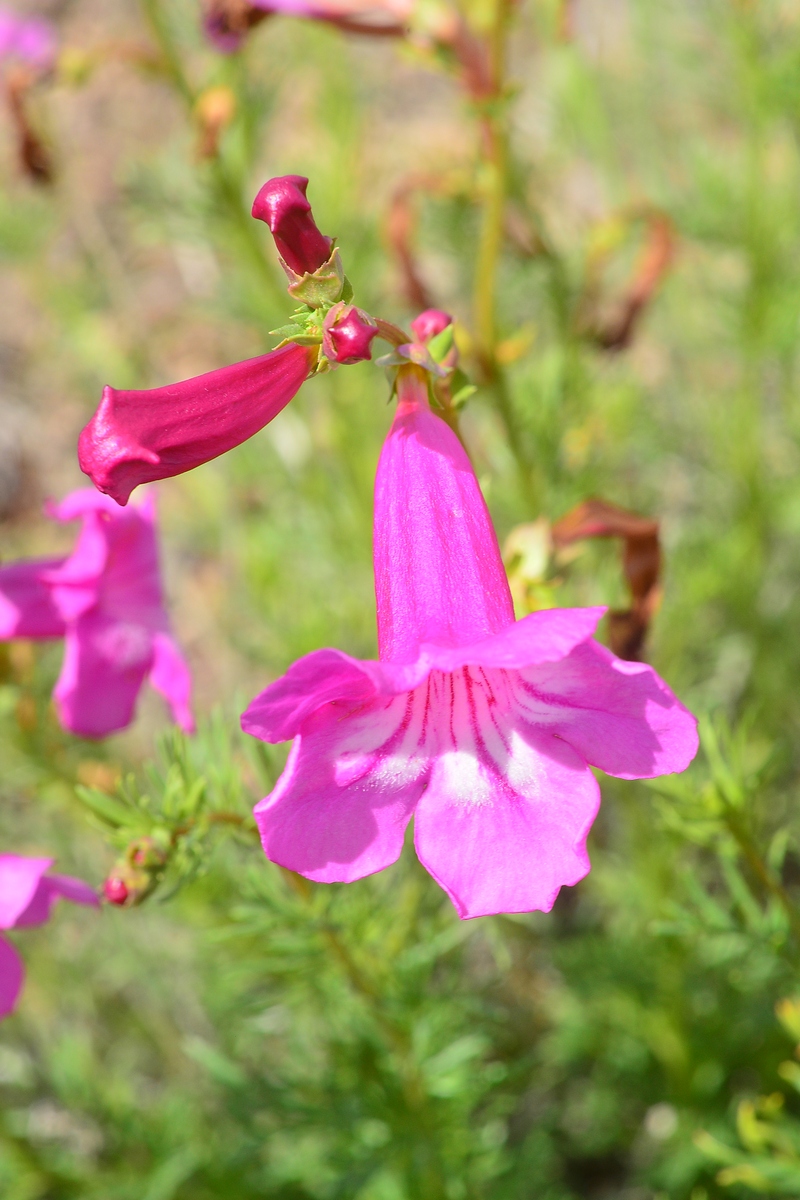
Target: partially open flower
pixel 139 436
pixel 282 204
pixel 347 334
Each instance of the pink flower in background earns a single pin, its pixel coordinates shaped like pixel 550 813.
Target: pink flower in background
pixel 27 896
pixel 29 40
pixel 227 22
pixel 480 727
pixel 429 323
pixel 106 600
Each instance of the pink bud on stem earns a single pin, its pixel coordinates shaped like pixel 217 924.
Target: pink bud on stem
pixel 347 334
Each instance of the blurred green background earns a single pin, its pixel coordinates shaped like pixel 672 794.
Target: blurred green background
pixel 235 1037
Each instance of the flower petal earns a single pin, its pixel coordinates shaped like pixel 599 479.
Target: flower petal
pixel 620 716
pixel 502 825
pixel 138 436
pixel 27 609
pixel 50 888
pixel 170 676
pixel 326 675
pixel 105 664
pixel 438 573
pixel 19 879
pixel 340 809
pixel 278 713
pixel 12 974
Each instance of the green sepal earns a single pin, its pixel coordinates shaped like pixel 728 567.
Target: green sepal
pixel 288 332
pixel 322 287
pixel 415 353
pixel 347 291
pixel 461 388
pixel 441 345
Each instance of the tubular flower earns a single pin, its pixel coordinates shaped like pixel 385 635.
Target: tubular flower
pixel 27 896
pixel 139 436
pixel 480 726
pixel 106 600
pixel 227 22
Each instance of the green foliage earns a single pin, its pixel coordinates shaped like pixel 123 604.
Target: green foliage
pixel 235 1031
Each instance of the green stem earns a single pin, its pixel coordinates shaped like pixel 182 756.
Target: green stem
pixel 494 153
pixel 432 1178
pixel 761 870
pixel 494 149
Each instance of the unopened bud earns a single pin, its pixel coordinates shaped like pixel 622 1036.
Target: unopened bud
pixel 347 334
pixel 215 109
pixel 429 323
pixel 282 204
pixel 115 890
pixel 135 875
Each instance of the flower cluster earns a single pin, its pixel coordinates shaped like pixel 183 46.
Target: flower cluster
pixel 481 727
pixel 139 436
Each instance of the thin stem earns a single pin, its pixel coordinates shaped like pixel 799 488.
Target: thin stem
pixel 494 149
pixel 494 152
pixel 244 824
pixel 413 1085
pixel 761 870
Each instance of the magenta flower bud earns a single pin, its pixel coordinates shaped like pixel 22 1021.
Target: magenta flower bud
pixel 140 436
pixel 347 334
pixel 115 890
pixel 429 323
pixel 282 204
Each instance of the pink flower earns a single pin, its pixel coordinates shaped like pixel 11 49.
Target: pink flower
pixel 26 897
pixel 106 600
pixel 137 437
pixel 429 323
pixel 30 40
pixel 481 727
pixel 227 22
